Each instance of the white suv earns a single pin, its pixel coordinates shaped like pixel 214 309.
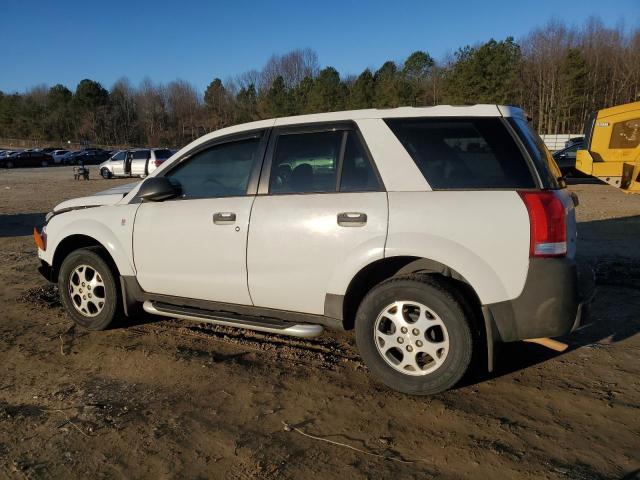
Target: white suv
pixel 433 232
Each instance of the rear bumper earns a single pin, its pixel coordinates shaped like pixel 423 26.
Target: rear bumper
pixel 552 303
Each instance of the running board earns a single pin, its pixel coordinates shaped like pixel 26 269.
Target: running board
pixel 260 324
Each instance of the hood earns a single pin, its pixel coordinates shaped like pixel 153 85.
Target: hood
pixel 106 197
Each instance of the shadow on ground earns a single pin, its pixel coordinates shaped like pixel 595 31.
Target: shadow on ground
pixel 20 224
pixel 612 315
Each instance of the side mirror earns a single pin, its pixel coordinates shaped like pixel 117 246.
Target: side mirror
pixel 158 189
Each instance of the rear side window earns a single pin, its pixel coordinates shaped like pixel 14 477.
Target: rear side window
pixel 306 162
pixel 162 154
pixel 140 154
pixel 464 153
pixel 357 173
pixel 542 158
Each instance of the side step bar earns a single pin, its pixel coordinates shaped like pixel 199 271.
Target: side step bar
pixel 260 324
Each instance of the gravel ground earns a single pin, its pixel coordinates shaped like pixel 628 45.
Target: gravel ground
pixel 166 398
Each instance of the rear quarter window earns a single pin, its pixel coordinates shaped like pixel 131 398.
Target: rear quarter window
pixel 162 154
pixel 464 153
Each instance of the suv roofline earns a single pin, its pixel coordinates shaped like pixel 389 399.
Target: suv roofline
pixel 478 110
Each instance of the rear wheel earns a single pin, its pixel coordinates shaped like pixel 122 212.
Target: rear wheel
pixel 413 335
pixel 45 163
pixel 88 289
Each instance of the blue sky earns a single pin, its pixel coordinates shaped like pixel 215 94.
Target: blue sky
pixel 46 41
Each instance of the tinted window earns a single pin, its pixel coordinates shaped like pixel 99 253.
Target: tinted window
pixel 464 153
pixel 305 162
pixel 544 162
pixel 140 154
pixel 162 154
pixel 625 134
pixel 119 156
pixel 357 173
pixel 220 171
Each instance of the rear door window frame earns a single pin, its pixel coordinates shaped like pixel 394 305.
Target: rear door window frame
pixel 318 127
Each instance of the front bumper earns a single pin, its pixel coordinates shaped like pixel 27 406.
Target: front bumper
pixel 553 302
pixel 46 271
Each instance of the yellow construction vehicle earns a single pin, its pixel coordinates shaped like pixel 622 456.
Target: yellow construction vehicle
pixel 612 147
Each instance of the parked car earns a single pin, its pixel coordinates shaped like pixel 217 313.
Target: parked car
pixel 58 155
pixel 89 157
pixel 8 153
pixel 134 163
pixel 434 232
pixel 27 159
pixel 67 158
pixel 573 141
pixel 114 165
pixel 566 158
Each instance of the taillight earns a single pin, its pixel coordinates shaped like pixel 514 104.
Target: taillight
pixel 547 220
pixel 157 163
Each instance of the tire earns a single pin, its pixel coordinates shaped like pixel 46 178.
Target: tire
pixel 9 164
pixel 106 174
pixel 88 313
pixel 45 163
pixel 435 322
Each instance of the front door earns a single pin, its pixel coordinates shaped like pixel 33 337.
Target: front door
pixel 117 163
pixel 195 246
pixel 325 211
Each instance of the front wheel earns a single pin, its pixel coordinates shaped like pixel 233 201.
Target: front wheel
pixel 88 289
pixel 413 335
pixel 106 174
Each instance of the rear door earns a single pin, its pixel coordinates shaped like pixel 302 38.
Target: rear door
pixel 321 205
pixel 139 161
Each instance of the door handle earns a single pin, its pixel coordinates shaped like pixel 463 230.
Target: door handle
pixel 224 218
pixel 352 219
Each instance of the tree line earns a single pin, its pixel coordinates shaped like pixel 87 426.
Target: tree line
pixel 558 74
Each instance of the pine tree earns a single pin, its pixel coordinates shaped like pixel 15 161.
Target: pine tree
pixel 328 93
pixel 363 91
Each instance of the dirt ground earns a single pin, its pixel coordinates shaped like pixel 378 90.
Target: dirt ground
pixel 172 399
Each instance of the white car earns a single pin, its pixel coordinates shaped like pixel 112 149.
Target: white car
pixel 434 232
pixel 58 155
pixel 134 163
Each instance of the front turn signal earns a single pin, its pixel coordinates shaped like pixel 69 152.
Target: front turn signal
pixel 41 240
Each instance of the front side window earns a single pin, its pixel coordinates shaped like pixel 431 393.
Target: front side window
pixel 306 162
pixel 119 156
pixel 220 171
pixel 625 134
pixel 463 153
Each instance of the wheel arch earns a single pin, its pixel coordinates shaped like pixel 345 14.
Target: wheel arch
pixel 75 242
pixel 380 270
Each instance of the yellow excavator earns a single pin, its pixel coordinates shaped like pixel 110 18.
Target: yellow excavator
pixel 612 147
